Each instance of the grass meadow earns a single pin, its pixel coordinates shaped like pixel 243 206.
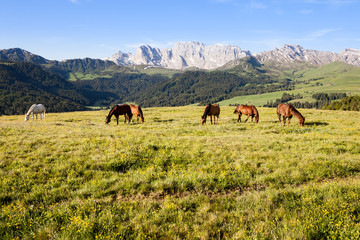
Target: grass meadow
pixel 72 176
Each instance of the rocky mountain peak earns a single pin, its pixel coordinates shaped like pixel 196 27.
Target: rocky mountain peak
pixel 20 55
pixel 184 55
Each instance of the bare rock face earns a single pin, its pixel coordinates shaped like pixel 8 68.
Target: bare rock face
pixel 121 58
pixel 351 56
pixel 295 53
pixel 183 55
pixel 194 54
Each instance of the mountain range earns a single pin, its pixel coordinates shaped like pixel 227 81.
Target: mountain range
pixel 194 54
pixel 185 55
pixel 145 78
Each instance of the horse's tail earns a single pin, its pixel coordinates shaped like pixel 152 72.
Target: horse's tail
pixel 141 114
pixel 256 113
pixel 236 110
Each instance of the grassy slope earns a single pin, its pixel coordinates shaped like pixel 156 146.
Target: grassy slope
pixel 122 69
pixel 73 177
pixel 334 77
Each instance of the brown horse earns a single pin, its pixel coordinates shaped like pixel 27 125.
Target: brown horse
pixel 211 110
pixel 136 110
pixel 249 111
pixel 288 111
pixel 118 110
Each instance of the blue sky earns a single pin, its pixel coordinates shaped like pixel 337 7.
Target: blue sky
pixel 66 29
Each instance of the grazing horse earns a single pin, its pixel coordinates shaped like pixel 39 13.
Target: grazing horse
pixel 35 109
pixel 249 111
pixel 117 110
pixel 136 110
pixel 211 110
pixel 288 111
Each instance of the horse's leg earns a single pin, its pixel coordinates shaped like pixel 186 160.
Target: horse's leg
pixel 125 118
pixel 117 119
pixel 284 120
pixel 289 118
pixel 247 117
pixel 279 116
pixel 239 117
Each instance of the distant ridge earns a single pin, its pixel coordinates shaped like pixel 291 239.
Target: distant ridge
pixel 186 55
pixel 193 54
pixel 183 55
pixel 20 55
pixel 82 65
pixel 296 53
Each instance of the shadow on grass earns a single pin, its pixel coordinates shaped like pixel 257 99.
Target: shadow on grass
pixel 163 120
pixel 316 123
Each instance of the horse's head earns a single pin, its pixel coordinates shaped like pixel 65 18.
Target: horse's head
pixel 26 117
pixel 203 119
pixel 107 120
pixel 302 122
pixel 142 119
pixel 257 118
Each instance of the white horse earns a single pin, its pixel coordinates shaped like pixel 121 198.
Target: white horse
pixel 35 109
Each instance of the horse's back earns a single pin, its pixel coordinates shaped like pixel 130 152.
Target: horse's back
pixel 134 109
pixel 36 108
pixel 215 109
pixel 41 107
pixel 245 109
pixel 284 109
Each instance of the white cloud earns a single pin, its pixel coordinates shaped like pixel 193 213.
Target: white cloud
pixel 306 11
pixel 331 2
pixel 257 5
pixel 322 32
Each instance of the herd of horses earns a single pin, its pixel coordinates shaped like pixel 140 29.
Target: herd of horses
pixel 287 111
pixel 127 110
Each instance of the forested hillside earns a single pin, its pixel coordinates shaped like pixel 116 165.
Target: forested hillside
pixel 62 87
pixel 22 84
pixel 351 103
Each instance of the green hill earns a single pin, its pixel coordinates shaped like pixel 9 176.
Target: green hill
pixel 331 78
pixel 23 84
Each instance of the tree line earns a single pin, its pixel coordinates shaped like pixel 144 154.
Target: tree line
pixel 322 99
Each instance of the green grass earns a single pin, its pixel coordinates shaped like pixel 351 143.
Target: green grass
pixel 88 76
pixel 73 177
pixel 331 78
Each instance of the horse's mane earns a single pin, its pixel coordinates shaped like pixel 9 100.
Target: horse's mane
pixel 295 112
pixel 255 110
pixel 140 111
pixel 112 110
pixel 31 108
pixel 207 110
